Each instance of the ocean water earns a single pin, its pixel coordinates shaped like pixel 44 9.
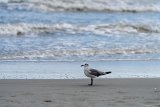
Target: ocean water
pixel 73 70
pixel 79 30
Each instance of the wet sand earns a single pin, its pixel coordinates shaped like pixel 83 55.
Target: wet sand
pixel 73 70
pixel 76 93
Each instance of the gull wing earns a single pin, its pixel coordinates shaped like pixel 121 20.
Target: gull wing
pixel 95 72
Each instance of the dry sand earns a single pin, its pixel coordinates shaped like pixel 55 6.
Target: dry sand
pixel 76 93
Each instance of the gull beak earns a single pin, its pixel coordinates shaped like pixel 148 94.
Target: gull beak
pixel 82 65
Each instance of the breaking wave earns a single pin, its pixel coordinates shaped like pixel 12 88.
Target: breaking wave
pixel 25 29
pixel 89 54
pixel 85 5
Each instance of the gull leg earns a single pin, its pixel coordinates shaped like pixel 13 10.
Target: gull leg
pixel 91 82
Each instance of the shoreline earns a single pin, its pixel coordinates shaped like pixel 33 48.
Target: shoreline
pixel 76 93
pixel 72 70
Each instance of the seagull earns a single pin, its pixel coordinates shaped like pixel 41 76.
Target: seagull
pixel 93 73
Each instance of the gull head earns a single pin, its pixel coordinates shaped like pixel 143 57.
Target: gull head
pixel 85 65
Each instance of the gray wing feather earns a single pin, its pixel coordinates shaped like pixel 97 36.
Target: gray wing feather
pixel 96 72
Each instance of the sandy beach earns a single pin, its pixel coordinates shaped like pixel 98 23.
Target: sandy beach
pixel 76 93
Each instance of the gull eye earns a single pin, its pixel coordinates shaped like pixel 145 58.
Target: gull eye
pixel 86 64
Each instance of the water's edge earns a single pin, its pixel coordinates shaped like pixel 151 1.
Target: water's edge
pixel 72 70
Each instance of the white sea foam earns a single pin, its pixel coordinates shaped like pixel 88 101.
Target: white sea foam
pixel 87 5
pixel 67 76
pixel 24 28
pixel 37 76
pixel 80 54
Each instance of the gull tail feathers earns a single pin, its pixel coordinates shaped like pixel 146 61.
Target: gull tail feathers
pixel 108 72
